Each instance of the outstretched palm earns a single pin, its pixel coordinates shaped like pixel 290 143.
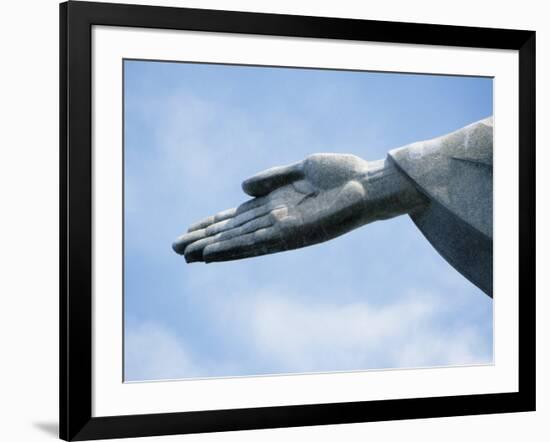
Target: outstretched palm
pixel 294 206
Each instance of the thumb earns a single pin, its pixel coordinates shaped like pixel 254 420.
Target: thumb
pixel 271 179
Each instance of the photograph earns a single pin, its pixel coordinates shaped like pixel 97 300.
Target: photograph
pixel 293 218
pixel 281 220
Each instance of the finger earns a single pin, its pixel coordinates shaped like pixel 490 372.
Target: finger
pixel 208 226
pixel 271 179
pixel 261 222
pixel 212 219
pixel 238 220
pixel 196 232
pixel 194 251
pixel 183 241
pixel 248 205
pixel 251 204
pixel 266 249
pixel 251 244
pixel 251 226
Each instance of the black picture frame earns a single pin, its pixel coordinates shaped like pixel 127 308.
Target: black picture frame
pixel 76 21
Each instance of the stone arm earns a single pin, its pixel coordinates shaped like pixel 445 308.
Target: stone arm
pixel 306 203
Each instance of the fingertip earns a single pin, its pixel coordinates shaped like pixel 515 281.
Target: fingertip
pixel 189 259
pixel 183 241
pixel 201 224
pixel 267 181
pixel 252 188
pixel 193 255
pixel 177 247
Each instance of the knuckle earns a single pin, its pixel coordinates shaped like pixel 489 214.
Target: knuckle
pixel 354 189
pixel 288 223
pixel 258 234
pixel 278 214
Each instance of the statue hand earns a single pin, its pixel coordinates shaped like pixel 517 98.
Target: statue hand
pixel 295 206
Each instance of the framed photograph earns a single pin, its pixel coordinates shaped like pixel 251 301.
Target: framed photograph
pixel 273 220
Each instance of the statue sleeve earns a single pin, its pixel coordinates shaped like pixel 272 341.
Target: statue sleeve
pixel 455 172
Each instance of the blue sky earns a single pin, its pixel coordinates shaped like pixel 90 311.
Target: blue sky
pixel 378 297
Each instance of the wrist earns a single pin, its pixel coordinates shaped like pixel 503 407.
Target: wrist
pixel 388 192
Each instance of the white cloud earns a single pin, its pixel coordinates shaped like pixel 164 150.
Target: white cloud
pixel 294 336
pixel 153 352
pixel 283 334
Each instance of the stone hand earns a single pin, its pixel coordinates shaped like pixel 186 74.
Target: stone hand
pixel 294 206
